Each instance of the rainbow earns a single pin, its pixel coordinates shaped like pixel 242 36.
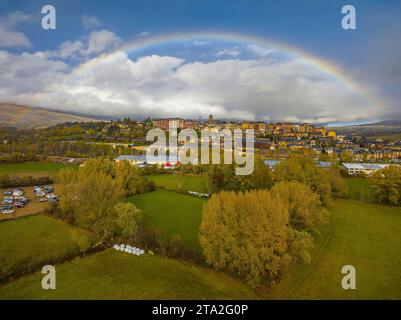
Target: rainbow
pixel 325 67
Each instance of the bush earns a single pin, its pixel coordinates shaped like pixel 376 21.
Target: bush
pixel 327 183
pixel 7 181
pixel 387 185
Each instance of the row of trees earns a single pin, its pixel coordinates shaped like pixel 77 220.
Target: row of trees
pixel 9 181
pixel 93 198
pixel 26 151
pixel 327 183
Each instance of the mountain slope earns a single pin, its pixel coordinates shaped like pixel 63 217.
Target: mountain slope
pixel 381 127
pixel 28 117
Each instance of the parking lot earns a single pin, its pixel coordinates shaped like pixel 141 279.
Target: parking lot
pixel 17 205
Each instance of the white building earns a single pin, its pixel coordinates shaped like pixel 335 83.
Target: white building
pixel 140 160
pixel 367 168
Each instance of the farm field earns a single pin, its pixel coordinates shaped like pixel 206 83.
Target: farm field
pixel 29 242
pixel 174 213
pixel 172 182
pixel 36 168
pixel 360 188
pixel 364 235
pixel 112 274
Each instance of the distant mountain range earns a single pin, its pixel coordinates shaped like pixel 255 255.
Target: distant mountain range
pixel 393 122
pixel 33 117
pixel 381 127
pixel 29 117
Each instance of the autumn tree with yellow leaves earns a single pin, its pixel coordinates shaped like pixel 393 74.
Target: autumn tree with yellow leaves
pixel 249 235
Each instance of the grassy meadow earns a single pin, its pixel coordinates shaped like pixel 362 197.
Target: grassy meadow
pixel 111 274
pixel 29 242
pixel 173 181
pixel 364 235
pixel 173 213
pixel 360 189
pixel 34 168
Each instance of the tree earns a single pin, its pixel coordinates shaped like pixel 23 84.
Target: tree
pixel 305 171
pixel 98 165
pixel 306 212
pixel 133 182
pixel 128 219
pixel 387 185
pixel 88 198
pixel 339 188
pixel 248 235
pixel 82 241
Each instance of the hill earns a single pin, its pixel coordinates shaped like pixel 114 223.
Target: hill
pixel 27 244
pixel 115 275
pixel 370 129
pixel 29 117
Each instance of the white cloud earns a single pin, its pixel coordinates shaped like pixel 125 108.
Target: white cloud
pixel 144 34
pixel 25 75
pixel 12 19
pixel 70 49
pixel 10 38
pixel 201 42
pixel 97 42
pixel 260 51
pixel 233 52
pixel 115 85
pixel 102 40
pixel 90 22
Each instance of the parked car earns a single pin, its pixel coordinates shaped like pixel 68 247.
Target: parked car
pixel 7 211
pixel 8 193
pixel 42 199
pixel 52 197
pixel 6 207
pixel 18 192
pixel 19 205
pixel 7 201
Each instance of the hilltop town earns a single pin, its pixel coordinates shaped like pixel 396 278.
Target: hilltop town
pixel 275 139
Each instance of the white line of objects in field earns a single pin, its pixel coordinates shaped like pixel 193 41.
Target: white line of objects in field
pixel 129 249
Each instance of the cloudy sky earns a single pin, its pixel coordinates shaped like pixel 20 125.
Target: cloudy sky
pixel 85 65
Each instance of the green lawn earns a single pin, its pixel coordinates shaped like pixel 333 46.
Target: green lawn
pixel 173 181
pixel 30 242
pixel 174 213
pixel 360 189
pixel 37 167
pixel 114 275
pixel 364 235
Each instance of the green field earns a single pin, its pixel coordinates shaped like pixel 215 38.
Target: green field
pixel 114 275
pixel 28 242
pixel 363 235
pixel 42 168
pixel 360 189
pixel 173 181
pixel 174 213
